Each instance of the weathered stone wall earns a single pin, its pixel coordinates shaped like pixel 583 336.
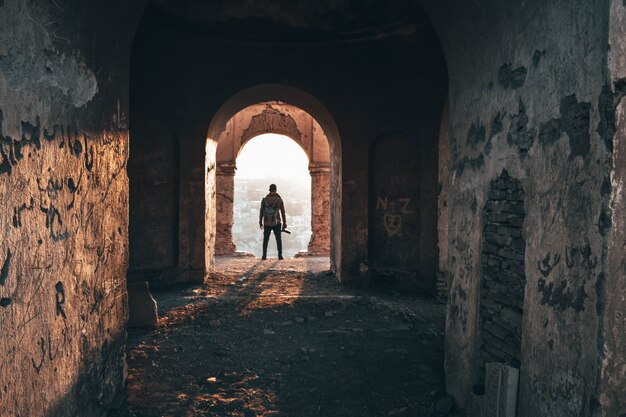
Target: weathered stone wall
pixel 395 209
pixel 443 209
pixel 319 244
pixel 153 211
pixel 63 256
pixel 503 280
pixel 526 95
pixel 284 119
pixel 210 212
pixel 612 294
pixel 224 200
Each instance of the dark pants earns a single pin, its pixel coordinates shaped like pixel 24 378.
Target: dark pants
pixel 266 238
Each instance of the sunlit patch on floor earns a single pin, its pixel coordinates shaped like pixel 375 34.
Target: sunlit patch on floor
pixel 286 341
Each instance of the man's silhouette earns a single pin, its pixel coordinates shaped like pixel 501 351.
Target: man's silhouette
pixel 272 210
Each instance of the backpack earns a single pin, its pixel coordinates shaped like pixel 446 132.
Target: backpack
pixel 269 213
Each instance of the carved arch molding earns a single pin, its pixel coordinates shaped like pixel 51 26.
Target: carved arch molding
pixel 271 121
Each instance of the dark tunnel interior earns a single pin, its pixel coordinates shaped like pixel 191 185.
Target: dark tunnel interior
pixel 466 251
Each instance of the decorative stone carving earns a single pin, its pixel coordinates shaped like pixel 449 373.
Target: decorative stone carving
pixel 271 121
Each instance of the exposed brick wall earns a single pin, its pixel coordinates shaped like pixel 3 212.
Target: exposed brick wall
pixel 503 278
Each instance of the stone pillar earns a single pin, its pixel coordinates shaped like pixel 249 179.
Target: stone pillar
pixel 225 190
pixel 192 255
pixel 319 245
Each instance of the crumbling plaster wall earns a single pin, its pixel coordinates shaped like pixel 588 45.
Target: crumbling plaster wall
pixel 526 95
pixel 560 167
pixel 63 255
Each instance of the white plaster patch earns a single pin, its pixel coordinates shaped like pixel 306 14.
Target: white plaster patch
pixel 27 65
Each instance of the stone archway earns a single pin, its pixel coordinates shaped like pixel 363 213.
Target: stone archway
pixel 284 119
pixel 304 101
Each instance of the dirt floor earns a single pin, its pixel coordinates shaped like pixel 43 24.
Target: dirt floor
pixel 282 338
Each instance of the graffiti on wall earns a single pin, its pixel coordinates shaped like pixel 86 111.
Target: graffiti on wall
pixel 60 259
pixel 559 293
pixel 393 211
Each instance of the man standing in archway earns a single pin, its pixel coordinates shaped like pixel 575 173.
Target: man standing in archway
pixel 270 215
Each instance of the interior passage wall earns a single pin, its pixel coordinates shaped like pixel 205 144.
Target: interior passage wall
pixel 153 229
pixel 527 92
pixel 64 217
pixel 399 203
pixel 613 336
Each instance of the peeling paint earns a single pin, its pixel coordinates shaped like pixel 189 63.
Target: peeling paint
pixel 575 123
pixel 607 105
pixel 476 134
pixel 512 78
pixel 41 64
pixel 519 134
pixel 549 132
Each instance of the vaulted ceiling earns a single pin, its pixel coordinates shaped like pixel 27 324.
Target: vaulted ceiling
pixel 293 19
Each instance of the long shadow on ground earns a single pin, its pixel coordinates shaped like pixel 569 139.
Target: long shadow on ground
pixel 276 341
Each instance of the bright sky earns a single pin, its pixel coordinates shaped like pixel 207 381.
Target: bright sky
pixel 273 157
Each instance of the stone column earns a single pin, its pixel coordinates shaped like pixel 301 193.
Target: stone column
pixel 192 255
pixel 319 245
pixel 225 190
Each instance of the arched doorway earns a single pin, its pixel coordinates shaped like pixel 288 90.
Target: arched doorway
pixel 295 124
pixel 182 206
pixel 300 112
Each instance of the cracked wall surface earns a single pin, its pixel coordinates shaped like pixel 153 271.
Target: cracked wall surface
pixel 63 148
pixel 528 94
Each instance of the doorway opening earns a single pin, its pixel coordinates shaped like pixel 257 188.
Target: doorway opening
pixel 271 142
pixel 264 160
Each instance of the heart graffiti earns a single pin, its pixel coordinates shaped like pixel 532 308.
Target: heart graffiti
pixel 392 223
